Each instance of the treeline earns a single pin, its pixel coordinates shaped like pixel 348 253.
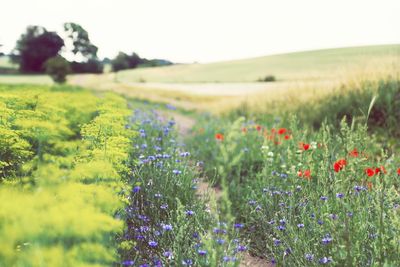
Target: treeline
pixel 124 61
pixel 41 51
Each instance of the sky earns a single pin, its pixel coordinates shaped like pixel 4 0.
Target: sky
pixel 209 30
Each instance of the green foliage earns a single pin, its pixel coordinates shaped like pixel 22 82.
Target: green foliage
pixel 285 216
pixel 58 69
pixel 35 47
pixel 60 184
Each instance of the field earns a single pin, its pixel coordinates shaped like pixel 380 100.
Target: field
pixel 173 171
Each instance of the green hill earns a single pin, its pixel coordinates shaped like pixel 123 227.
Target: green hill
pixel 308 65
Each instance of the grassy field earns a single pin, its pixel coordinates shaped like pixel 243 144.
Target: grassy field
pixel 309 65
pixel 223 86
pixel 6 63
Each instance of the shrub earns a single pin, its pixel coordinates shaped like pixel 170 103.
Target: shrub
pixel 58 68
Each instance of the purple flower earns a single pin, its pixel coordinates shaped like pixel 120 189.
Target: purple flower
pixel 202 252
pixel 220 241
pixel 327 239
pixel 167 227
pixel 325 260
pixel 238 226
pixel 176 172
pixel 333 216
pixel 226 259
pixel 320 222
pixel 300 225
pixel 309 257
pixel 323 198
pixel 168 254
pixel 187 262
pixel 164 206
pixel 349 214
pixel 189 212
pixel 277 242
pixel 252 202
pixel 340 195
pixel 136 189
pixel 128 263
pixel 153 244
pixel 281 228
pixel 241 248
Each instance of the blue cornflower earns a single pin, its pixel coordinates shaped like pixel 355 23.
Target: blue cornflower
pixel 202 252
pixel 349 214
pixel 320 222
pixel 252 202
pixel 300 225
pixel 189 212
pixel 153 244
pixel 167 227
pixel 238 225
pixel 220 241
pixel 287 252
pixel 168 254
pixel 226 259
pixel 128 263
pixel 271 222
pixel 333 216
pixel 340 195
pixel 281 228
pixel 241 248
pixel 325 260
pixel 327 239
pixel 176 172
pixel 136 189
pixel 187 262
pixel 282 221
pixel 277 242
pixel 164 206
pixel 185 154
pixel 309 257
pixel 323 198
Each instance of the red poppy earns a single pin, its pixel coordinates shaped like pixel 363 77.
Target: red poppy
pixel 306 146
pixel 282 131
pixel 306 174
pixel 398 171
pixel 370 172
pixel 287 137
pixel 244 130
pixel 339 165
pixel 258 127
pixel 354 153
pixel 219 136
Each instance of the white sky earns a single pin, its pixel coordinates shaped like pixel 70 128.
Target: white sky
pixel 209 30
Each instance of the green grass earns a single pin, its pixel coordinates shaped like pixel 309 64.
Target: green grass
pixel 309 65
pixel 25 79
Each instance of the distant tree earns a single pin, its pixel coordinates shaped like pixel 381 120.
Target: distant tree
pixel 120 62
pixel 123 61
pixel 1 53
pixel 35 47
pixel 58 68
pixel 83 49
pixel 90 66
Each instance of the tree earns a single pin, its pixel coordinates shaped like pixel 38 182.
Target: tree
pixel 35 47
pixel 80 40
pixel 123 61
pixel 83 49
pixel 58 68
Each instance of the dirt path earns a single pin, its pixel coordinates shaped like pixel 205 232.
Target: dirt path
pixel 184 124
